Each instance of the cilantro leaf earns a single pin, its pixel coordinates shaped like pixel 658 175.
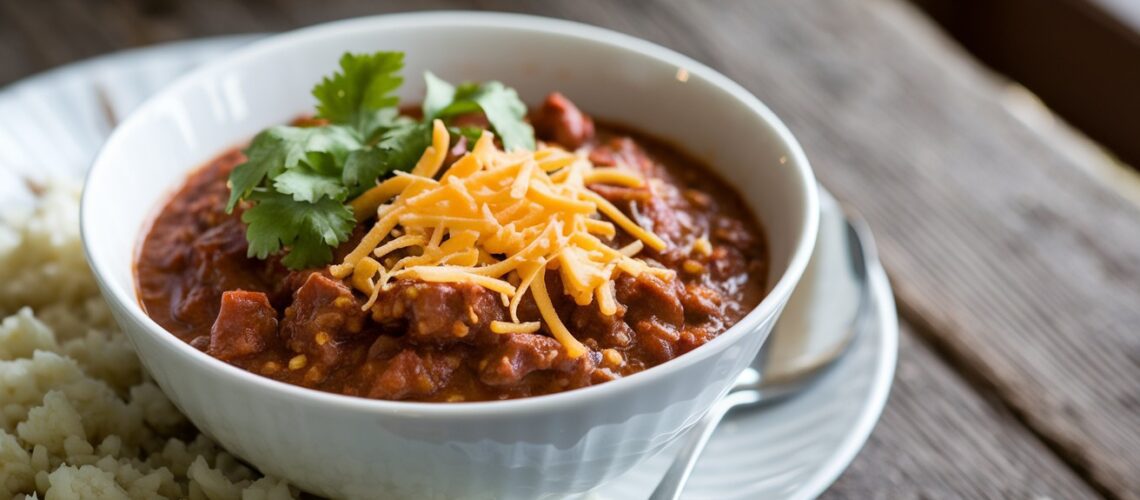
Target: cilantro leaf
pixel 406 144
pixel 309 230
pixel 440 93
pixel 262 155
pixel 278 149
pixel 462 102
pixel 398 149
pixel 362 88
pixel 506 112
pixel 306 184
pixel 375 123
pixel 470 132
pixel 501 104
pixel 362 168
pixel 309 145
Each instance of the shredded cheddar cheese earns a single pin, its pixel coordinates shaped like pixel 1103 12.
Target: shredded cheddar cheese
pixel 501 220
pixel 508 327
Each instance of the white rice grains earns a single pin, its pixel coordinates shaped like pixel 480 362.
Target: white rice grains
pixel 78 417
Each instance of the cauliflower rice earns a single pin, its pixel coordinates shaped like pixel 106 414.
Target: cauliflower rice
pixel 78 416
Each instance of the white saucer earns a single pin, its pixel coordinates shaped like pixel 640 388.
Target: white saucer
pixel 55 122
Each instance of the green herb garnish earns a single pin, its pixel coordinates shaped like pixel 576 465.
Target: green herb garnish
pixel 501 105
pixel 297 179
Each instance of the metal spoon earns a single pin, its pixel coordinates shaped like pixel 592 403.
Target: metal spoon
pixel 759 384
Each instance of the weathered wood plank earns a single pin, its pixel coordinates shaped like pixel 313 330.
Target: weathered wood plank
pixel 939 439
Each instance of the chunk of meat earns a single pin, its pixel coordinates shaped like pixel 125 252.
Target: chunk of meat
pixel 324 311
pixel 609 331
pixel 246 324
pixel 702 303
pixel 656 341
pixel 693 337
pixel 414 375
pixel 666 221
pixel 441 313
pixel 651 298
pixel 625 151
pixel 733 232
pixel 655 313
pixel 559 120
pixel 520 355
pixel 526 353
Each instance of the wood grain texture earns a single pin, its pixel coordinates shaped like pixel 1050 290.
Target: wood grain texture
pixel 938 439
pixel 1016 266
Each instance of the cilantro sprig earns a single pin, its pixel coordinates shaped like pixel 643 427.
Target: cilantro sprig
pixel 501 104
pixel 296 180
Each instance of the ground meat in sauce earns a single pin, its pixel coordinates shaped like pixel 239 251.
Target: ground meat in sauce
pixel 432 341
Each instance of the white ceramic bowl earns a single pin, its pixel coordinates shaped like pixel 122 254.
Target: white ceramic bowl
pixel 530 448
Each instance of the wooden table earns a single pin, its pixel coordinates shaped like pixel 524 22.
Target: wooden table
pixel 1013 246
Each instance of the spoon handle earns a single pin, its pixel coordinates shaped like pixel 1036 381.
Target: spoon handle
pixel 678 474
